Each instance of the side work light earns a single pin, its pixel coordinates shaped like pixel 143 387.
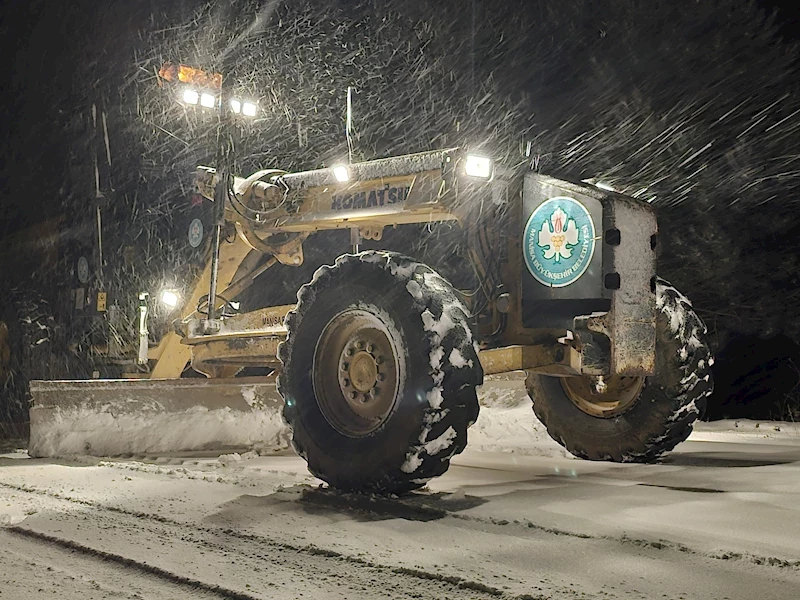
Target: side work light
pixel 169 298
pixel 478 166
pixel 341 174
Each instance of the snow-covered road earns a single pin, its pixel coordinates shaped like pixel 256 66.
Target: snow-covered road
pixel 513 518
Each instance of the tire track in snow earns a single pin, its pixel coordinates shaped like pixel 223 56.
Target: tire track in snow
pixel 419 509
pixel 181 471
pixel 445 585
pixel 30 568
pixel 129 563
pixel 417 506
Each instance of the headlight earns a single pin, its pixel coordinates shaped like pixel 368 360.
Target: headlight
pixel 478 166
pixel 169 298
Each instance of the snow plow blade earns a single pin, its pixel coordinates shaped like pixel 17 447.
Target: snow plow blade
pixel 142 416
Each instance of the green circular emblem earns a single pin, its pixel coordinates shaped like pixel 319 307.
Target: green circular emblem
pixel 195 233
pixel 83 269
pixel 558 242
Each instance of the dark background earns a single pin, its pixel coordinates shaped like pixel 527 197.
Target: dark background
pixel 44 50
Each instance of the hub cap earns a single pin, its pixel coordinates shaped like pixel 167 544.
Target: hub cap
pixel 356 373
pixel 603 397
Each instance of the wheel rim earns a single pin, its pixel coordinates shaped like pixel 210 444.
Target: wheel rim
pixel 603 397
pixel 5 352
pixel 356 373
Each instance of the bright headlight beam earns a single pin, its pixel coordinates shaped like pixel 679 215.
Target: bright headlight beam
pixel 169 298
pixel 236 106
pixel 191 96
pixel 478 166
pixel 208 100
pixel 341 174
pixel 249 109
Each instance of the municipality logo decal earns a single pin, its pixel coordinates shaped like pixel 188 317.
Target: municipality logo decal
pixel 559 241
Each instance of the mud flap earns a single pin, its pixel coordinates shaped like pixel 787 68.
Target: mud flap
pixel 133 417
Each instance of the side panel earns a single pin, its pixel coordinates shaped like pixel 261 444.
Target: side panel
pixel 587 252
pixel 632 266
pixel 562 267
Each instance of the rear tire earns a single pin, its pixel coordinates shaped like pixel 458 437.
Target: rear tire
pixel 379 374
pixel 661 413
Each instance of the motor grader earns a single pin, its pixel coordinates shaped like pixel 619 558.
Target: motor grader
pixel 378 360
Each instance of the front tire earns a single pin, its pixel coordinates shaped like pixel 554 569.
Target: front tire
pixel 637 419
pixel 379 373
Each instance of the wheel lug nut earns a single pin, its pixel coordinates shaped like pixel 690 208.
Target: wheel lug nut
pixel 346 383
pixel 349 352
pixel 370 347
pixel 345 366
pixel 381 377
pixel 378 360
pixel 353 395
pixel 360 345
pixel 375 391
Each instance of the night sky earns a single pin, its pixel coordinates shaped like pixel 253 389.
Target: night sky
pixel 37 38
pixel 42 42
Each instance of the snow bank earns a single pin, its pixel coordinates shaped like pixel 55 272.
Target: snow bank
pixel 506 422
pixel 742 429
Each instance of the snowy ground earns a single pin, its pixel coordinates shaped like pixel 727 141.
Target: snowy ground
pixel 513 518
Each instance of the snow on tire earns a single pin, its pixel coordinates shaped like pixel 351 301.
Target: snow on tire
pixel 667 403
pixel 379 373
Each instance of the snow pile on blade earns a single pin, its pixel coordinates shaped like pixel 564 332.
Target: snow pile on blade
pixel 126 417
